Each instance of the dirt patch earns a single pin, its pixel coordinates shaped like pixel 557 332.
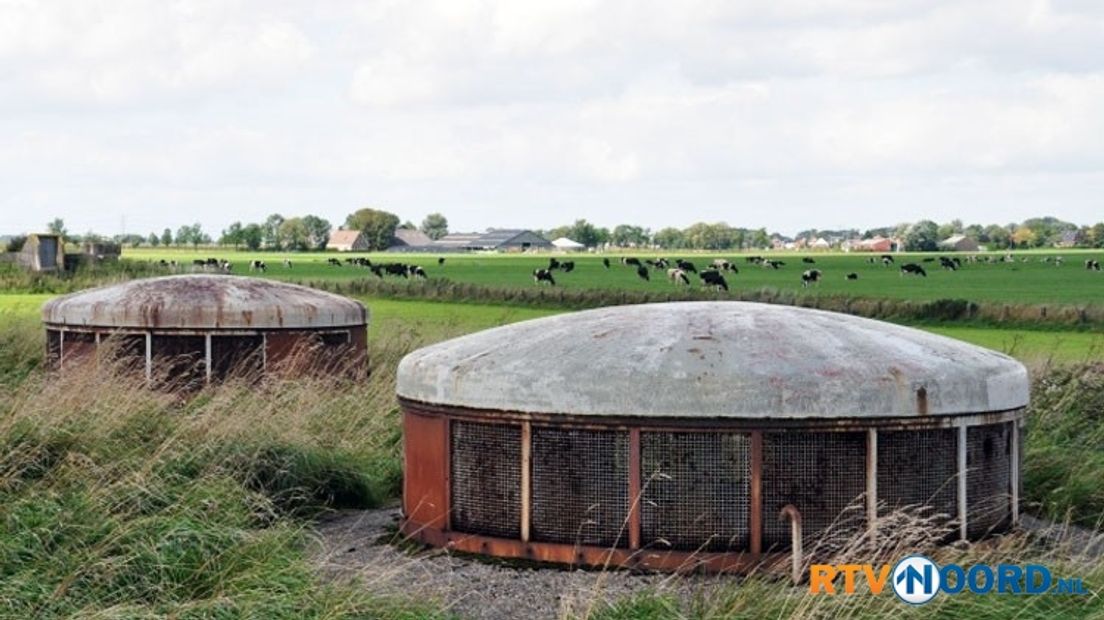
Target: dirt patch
pixel 360 545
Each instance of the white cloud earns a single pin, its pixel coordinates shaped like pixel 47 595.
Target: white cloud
pixel 531 113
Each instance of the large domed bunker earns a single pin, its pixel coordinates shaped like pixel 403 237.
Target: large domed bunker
pixel 673 435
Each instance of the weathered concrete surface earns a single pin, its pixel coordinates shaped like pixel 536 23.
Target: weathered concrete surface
pixel 713 359
pixel 204 302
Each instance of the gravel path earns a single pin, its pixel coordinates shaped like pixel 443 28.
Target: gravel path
pixel 355 544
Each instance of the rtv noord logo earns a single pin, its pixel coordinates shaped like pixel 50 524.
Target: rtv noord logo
pixel 916 579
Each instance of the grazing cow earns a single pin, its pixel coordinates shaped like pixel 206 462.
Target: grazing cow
pixel 543 275
pixel 417 272
pixel 226 267
pixel 678 276
pixel 567 266
pixel 887 260
pixel 287 263
pixel 722 264
pixel 808 261
pixel 630 261
pixel 642 271
pixel 713 278
pixel 685 265
pixel 1092 265
pixel 852 276
pixel 947 264
pixel 334 262
pixel 553 264
pixel 258 265
pixel 377 270
pixel 772 264
pixel 810 276
pixel 396 269
pixel 440 261
pixel 605 262
pixel 913 269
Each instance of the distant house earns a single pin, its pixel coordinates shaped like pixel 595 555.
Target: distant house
pixel 1068 239
pixel 42 252
pixel 410 240
pixel 567 245
pixel 877 244
pixel 504 240
pixel 820 244
pixel 959 243
pixel 348 241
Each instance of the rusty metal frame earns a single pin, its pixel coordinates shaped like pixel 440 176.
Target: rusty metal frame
pixel 634 556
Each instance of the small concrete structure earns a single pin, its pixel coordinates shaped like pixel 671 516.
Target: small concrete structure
pixel 202 328
pixel 673 435
pixel 42 252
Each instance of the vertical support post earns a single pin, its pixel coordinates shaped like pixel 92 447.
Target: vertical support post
pixel 61 349
pixel 636 491
pixel 962 480
pixel 264 354
pixel 755 508
pixel 797 554
pixel 207 356
pixel 872 481
pixel 446 449
pixel 149 357
pixel 1014 478
pixel 526 477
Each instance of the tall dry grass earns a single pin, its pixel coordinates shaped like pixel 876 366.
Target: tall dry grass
pixel 120 501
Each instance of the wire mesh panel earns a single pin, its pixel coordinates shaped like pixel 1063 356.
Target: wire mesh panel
pixel 238 355
pixel 580 486
pixel 695 490
pixel 822 474
pixel 485 465
pixel 919 468
pixel 988 478
pixel 53 348
pixel 179 361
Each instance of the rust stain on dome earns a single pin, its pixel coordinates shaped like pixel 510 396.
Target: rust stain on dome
pixel 204 302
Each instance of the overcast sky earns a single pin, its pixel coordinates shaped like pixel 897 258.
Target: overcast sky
pixel 784 113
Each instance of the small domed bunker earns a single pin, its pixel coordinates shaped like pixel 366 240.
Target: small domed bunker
pixel 187 330
pixel 669 436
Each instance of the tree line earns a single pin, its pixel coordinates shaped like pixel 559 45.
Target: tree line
pixel 311 232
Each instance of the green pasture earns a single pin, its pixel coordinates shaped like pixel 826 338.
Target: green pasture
pixel 438 320
pixel 1028 280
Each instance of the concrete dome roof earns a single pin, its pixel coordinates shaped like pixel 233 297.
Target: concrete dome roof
pixel 713 359
pixel 204 302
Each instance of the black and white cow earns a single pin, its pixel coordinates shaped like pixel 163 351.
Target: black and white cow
pixel 258 265
pixel 685 265
pixel 544 275
pixel 810 276
pixel 913 269
pixel 808 261
pixel 642 272
pixel 678 276
pixel 713 278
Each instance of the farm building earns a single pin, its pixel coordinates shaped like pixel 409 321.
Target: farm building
pixel 410 240
pixel 504 240
pixel 683 431
pixel 567 245
pixel 875 244
pixel 187 330
pixel 959 243
pixel 348 241
pixel 42 252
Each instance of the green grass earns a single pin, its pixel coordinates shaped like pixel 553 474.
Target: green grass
pixel 1033 282
pixel 437 320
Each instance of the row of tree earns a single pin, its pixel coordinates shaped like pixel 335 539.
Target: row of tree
pixel 311 232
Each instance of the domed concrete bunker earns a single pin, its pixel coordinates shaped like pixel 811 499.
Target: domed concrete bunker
pixel 188 330
pixel 672 436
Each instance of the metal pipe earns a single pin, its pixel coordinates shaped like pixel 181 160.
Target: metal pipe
pixel 1015 477
pixel 794 515
pixel 962 481
pixel 872 482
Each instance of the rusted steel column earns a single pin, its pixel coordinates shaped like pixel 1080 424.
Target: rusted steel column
pixel 207 356
pixel 872 481
pixel 755 504
pixel 635 488
pixel 1014 478
pixel 962 480
pixel 796 560
pixel 526 477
